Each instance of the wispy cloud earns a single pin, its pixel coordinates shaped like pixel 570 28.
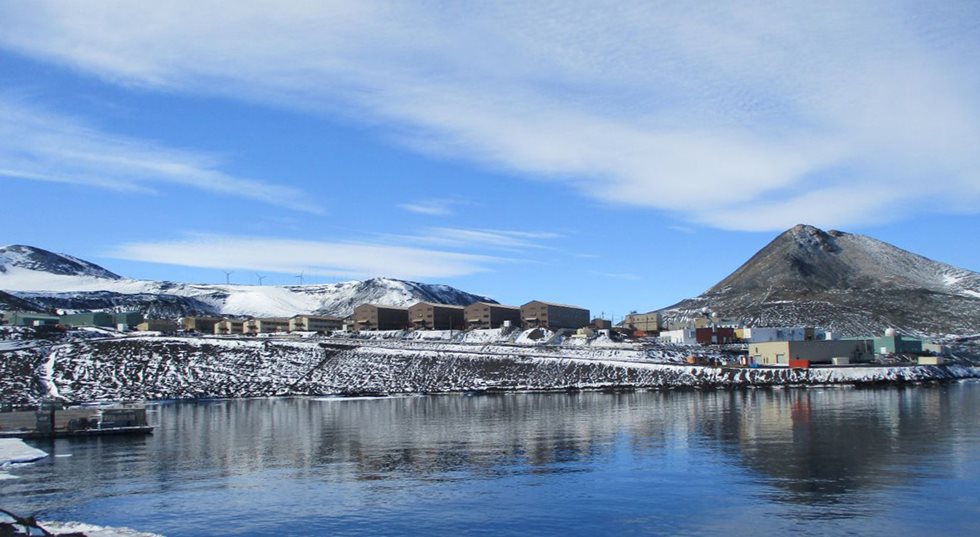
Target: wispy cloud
pixel 618 275
pixel 39 145
pixel 431 207
pixel 748 115
pixel 313 258
pixel 481 238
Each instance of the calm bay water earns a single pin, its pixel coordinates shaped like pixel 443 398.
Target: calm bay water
pixel 808 461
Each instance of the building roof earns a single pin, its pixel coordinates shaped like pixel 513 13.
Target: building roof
pixel 437 305
pixel 317 317
pixel 492 305
pixel 555 304
pixel 383 306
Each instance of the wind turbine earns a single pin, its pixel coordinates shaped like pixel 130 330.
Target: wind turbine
pixel 300 276
pixel 260 277
pixel 228 274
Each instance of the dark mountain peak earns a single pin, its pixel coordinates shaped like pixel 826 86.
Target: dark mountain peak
pixel 812 238
pixel 41 260
pixel 810 276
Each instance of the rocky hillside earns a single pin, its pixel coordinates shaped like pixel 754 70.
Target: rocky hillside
pixel 9 302
pixel 845 282
pixel 179 368
pixel 50 280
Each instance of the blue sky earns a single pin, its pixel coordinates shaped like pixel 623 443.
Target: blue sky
pixel 619 156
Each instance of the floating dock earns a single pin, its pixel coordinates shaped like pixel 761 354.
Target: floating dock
pixel 57 420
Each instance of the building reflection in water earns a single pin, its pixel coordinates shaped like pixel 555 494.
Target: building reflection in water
pixel 817 446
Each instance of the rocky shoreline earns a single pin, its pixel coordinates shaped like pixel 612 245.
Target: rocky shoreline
pixel 158 368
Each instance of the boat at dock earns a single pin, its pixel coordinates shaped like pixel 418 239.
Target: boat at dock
pixel 55 419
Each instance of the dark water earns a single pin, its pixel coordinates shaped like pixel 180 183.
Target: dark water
pixel 814 462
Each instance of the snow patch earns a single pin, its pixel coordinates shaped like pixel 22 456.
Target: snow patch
pixel 15 451
pixel 92 530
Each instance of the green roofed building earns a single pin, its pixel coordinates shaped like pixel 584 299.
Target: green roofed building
pixel 27 318
pixel 894 343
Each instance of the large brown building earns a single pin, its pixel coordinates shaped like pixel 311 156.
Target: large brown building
pixel 549 315
pixel 431 316
pixel 379 317
pixel 487 315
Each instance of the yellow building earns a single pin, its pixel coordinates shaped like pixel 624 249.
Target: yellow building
pixel 312 323
pixel 781 352
pixel 228 327
pixel 270 325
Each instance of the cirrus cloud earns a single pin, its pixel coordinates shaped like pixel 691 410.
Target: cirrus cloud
pixel 313 258
pixel 734 115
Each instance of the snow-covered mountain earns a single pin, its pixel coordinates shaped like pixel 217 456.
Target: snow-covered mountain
pixel 846 282
pixel 59 281
pixel 28 258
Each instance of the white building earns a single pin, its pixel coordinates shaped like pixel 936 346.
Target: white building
pixel 764 334
pixel 683 336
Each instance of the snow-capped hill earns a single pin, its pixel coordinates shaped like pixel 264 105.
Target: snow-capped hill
pixel 17 256
pixel 55 285
pixel 852 283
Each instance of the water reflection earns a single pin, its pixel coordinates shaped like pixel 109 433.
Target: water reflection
pixel 668 461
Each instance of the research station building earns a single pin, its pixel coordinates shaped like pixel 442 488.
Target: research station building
pixel 229 327
pixel 819 352
pixel 379 317
pixel 432 316
pixel 648 323
pixel 487 315
pixel 538 314
pixel 314 323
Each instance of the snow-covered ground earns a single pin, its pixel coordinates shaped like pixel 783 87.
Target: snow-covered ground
pixel 91 530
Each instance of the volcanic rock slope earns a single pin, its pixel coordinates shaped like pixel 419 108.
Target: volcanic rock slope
pixel 50 280
pixel 852 284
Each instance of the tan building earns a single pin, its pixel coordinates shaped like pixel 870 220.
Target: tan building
pixel 644 322
pixel 312 323
pixel 379 317
pixel 487 315
pixel 269 325
pixel 228 327
pixel 819 352
pixel 432 316
pixel 550 315
pixel 157 325
pixel 204 325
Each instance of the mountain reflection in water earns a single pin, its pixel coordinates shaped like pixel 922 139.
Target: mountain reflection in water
pixel 811 461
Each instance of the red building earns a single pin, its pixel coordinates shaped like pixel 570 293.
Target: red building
pixel 715 335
